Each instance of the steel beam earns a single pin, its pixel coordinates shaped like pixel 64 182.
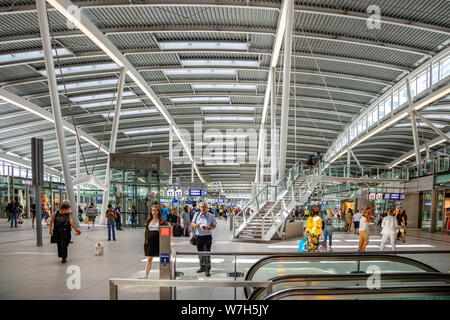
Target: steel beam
pixel 432 126
pixel 93 33
pixel 286 85
pixel 54 97
pixel 413 123
pixel 273 132
pixel 112 144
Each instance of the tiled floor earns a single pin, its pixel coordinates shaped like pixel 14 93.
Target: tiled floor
pixel 31 272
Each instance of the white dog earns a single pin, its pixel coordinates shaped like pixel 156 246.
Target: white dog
pixel 99 249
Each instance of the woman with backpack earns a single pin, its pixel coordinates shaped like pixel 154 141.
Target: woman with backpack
pixel 313 231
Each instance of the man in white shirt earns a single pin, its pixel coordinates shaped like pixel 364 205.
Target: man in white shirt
pixel 356 218
pixel 389 229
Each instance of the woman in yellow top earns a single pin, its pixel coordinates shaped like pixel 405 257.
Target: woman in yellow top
pixel 313 231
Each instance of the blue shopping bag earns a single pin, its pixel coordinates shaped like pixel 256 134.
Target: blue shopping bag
pixel 302 245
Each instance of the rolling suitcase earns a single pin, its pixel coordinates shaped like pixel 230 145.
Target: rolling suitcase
pixel 177 231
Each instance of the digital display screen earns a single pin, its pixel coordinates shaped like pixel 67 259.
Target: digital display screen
pixel 195 192
pixel 395 196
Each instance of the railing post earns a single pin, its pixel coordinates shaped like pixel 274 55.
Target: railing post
pixel 113 291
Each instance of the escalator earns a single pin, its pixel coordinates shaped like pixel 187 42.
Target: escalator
pixel 346 276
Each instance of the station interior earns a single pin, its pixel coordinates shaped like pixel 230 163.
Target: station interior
pixel 296 129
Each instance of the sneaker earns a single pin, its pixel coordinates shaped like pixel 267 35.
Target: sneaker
pixel 144 277
pixel 63 260
pixel 109 239
pixel 200 270
pixel 114 239
pixel 207 273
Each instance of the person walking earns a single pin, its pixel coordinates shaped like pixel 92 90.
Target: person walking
pixel 186 222
pixel 118 217
pixel 356 218
pixel 165 212
pixel 364 222
pixel 61 233
pixel 133 217
pixel 388 230
pixel 91 214
pixel 204 222
pixel 151 243
pixel 80 213
pixel 328 228
pixel 11 210
pixel 111 222
pixel 313 231
pixel 401 224
pixel 348 219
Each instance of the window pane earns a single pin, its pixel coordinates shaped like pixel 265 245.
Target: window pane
pixel 435 73
pixel 422 82
pixel 375 115
pixel 445 68
pixel 403 95
pixel 369 119
pixel 413 88
pixel 387 106
pixel 381 110
pixel 395 99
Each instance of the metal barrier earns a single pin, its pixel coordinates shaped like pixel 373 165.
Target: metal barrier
pixel 114 284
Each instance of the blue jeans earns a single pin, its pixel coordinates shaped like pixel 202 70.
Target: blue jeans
pixel 119 222
pixel 328 234
pixel 111 226
pixel 13 219
pixel 133 222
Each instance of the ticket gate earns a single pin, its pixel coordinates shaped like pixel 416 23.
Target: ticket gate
pixel 165 261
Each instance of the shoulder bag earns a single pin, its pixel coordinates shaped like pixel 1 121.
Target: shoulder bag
pixel 193 240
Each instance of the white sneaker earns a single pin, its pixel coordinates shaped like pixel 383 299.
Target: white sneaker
pixel 144 277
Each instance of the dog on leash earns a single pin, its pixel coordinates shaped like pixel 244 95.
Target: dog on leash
pixel 99 249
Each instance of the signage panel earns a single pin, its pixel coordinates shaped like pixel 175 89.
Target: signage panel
pixel 195 192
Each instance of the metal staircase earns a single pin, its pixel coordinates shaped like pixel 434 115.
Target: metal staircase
pixel 265 214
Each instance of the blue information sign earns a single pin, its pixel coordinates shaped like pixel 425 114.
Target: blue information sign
pixel 164 258
pixel 395 196
pixel 402 196
pixel 195 192
pixel 190 202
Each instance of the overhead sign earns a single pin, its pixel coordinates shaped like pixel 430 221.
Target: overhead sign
pixel 387 196
pixel 27 182
pixel 402 196
pixel 372 196
pixel 190 202
pixel 379 196
pixel 195 192
pixel 221 201
pixel 170 192
pixel 179 192
pixel 395 196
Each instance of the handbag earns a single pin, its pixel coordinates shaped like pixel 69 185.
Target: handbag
pixel 193 240
pixel 53 238
pixel 302 245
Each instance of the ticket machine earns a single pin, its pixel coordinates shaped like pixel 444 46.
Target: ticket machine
pixel 165 261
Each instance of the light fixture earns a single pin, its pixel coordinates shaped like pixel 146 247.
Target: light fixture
pixel 224 136
pixel 219 63
pixel 82 69
pixel 106 103
pixel 225 86
pixel 225 175
pixel 185 72
pixel 200 99
pixel 228 108
pixel 244 119
pixel 30 55
pixel 218 158
pixel 86 84
pixel 132 112
pixel 139 131
pixel 100 96
pixel 203 45
pixel 215 164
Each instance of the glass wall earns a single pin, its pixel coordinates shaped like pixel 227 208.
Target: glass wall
pixel 427 207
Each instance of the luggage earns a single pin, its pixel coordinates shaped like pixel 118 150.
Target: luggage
pixel 177 231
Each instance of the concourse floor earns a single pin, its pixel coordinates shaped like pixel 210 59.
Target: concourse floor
pixel 31 272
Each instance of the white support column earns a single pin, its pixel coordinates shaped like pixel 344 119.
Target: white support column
pixel 286 86
pixel 348 163
pixel 56 107
pixel 273 131
pixel 413 124
pixel 112 144
pixel 263 155
pixel 171 153
pixel 77 161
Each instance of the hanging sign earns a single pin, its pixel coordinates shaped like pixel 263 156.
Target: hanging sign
pixel 372 196
pixel 379 196
pixel 179 192
pixel 170 192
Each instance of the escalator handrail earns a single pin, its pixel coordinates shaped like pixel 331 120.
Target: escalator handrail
pixel 366 257
pixel 406 277
pixel 358 292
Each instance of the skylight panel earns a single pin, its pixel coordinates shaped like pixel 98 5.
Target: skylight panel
pixel 185 72
pixel 203 45
pixel 228 108
pixel 87 84
pixel 108 103
pixel 140 131
pixel 221 63
pixel 131 112
pixel 248 119
pixel 30 55
pixel 82 69
pixel 225 86
pixel 100 96
pixel 200 99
